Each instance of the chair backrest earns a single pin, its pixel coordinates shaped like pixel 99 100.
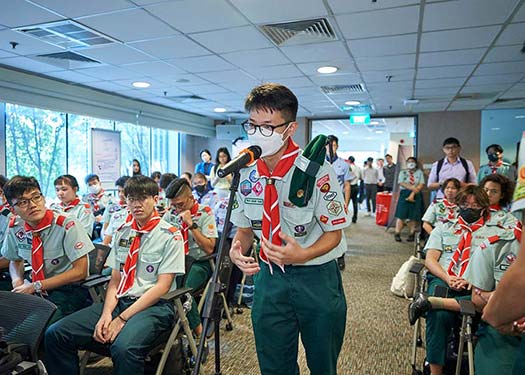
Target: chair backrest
pixel 24 318
pixel 97 258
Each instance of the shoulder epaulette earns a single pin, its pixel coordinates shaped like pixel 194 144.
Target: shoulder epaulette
pixel 207 209
pixel 86 205
pixel 60 220
pixel 6 212
pixel 12 221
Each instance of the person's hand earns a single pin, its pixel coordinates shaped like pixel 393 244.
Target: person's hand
pixel 461 284
pixel 290 253
pixel 25 288
pixel 247 265
pixel 516 328
pixel 101 329
pixel 114 329
pixel 455 282
pixel 185 216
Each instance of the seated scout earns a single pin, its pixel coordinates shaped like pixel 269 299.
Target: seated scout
pixel 55 245
pixel 197 224
pixel 97 197
pixel 5 216
pixel 66 188
pixel 115 215
pixel 149 253
pixel 442 210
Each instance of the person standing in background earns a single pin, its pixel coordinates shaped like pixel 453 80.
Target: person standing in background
pixel 389 171
pixel 370 178
pixel 221 185
pixel 355 177
pixel 380 175
pixel 496 164
pixel 205 165
pixel 136 169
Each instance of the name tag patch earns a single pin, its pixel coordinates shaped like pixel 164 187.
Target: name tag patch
pixel 257 224
pixel 256 201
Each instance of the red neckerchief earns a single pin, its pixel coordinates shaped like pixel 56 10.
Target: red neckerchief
pixel 271 221
pixel 411 178
pixel 495 166
pixel 37 248
pixel 185 227
pixel 495 207
pixel 461 256
pixel 95 198
pixel 71 205
pixel 451 209
pixel 128 273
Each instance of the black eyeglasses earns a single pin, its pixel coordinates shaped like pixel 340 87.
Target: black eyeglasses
pixel 24 203
pixel 266 130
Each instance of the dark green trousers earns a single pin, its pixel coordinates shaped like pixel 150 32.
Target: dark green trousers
pixel 305 300
pixel 68 299
pixel 519 363
pixel 197 278
pixel 495 353
pixel 440 322
pixel 64 338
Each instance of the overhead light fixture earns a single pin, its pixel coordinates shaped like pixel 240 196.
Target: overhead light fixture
pixel 495 129
pixel 407 102
pixel 141 84
pixel 346 132
pixel 352 102
pixel 374 122
pixel 219 110
pixel 379 132
pixel 519 117
pixel 327 69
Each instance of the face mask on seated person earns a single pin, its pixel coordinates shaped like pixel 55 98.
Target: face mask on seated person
pixel 411 165
pixel 94 189
pixel 470 215
pixel 269 145
pixel 493 158
pixel 200 189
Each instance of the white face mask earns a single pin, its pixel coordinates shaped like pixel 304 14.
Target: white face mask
pixel 411 165
pixel 269 145
pixel 94 189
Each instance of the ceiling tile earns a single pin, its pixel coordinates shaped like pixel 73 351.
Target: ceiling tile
pixel 4 54
pixel 154 69
pixel 505 53
pixel 116 54
pixel 366 64
pixel 336 79
pixel 271 11
pixel 108 73
pixel 458 39
pixel 71 76
pixel 130 25
pixel 458 57
pixel 79 8
pixel 381 76
pixel 495 79
pixel 256 58
pixel 135 93
pixel 155 84
pixel 445 82
pixel 297 82
pixel 520 16
pixel 466 13
pixel 513 34
pixel 486 88
pixel 106 86
pixel 225 76
pixel 178 46
pixel 434 92
pixel 384 46
pixel 344 66
pixel 30 65
pixel 24 14
pixel 212 15
pixel 183 80
pixel 230 40
pixel 345 6
pixel 385 22
pixel 315 52
pixel 201 64
pixel 271 73
pixel 501 68
pixel 26 44
pixel 445 71
pixel 206 89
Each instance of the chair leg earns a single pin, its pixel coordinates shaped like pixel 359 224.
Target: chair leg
pixel 200 306
pixel 462 338
pixel 84 361
pixel 229 324
pixel 470 347
pixel 187 330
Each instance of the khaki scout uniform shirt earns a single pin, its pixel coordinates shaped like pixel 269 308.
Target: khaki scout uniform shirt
pixel 82 212
pixel 438 212
pixel 161 251
pixel 205 219
pixel 323 213
pixel 63 244
pixel 5 216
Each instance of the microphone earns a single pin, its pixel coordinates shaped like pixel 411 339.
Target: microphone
pixel 245 157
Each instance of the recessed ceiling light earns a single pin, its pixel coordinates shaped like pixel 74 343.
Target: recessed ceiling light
pixel 327 69
pixel 141 85
pixel 353 102
pixel 495 128
pixel 519 116
pixel 379 132
pixel 374 122
pixel 346 132
pixel 219 110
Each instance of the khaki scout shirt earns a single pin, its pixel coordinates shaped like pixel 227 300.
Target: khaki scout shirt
pixel 82 212
pixel 324 212
pixel 438 212
pixel 161 251
pixel 204 218
pixel 5 216
pixel 63 244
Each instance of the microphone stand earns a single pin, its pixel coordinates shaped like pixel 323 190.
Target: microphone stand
pixel 213 305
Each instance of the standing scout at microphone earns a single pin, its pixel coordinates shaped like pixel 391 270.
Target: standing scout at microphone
pixel 295 206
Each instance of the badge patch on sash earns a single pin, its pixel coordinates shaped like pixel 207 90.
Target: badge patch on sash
pixel 323 219
pixel 330 196
pixel 70 224
pixel 246 187
pixel 323 180
pixel 257 188
pixel 325 188
pixel 253 176
pixel 334 208
pixel 20 235
pixel 257 224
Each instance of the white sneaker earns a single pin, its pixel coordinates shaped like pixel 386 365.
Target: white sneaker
pixel 368 214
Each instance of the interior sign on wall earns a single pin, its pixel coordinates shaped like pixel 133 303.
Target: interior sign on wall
pixel 360 119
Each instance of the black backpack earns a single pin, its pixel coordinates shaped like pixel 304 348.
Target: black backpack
pixel 463 162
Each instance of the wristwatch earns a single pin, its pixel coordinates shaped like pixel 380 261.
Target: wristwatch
pixel 38 286
pixel 194 226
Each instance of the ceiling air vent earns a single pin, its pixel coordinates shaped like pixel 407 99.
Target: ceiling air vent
pixel 343 89
pixel 507 100
pixel 66 34
pixel 299 32
pixel 186 99
pixel 67 60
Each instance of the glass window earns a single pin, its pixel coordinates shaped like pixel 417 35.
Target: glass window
pixel 134 144
pixel 165 150
pixel 79 145
pixel 36 144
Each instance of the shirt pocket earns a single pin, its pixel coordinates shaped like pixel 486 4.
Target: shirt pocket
pixel 149 265
pixel 298 216
pixel 53 253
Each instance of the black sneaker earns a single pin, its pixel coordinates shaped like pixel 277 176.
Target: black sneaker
pixel 397 237
pixel 354 220
pixel 418 307
pixel 411 237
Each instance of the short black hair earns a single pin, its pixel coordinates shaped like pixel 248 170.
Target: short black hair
pixel 332 138
pixel 272 97
pixel 455 181
pixel 506 185
pixel 451 141
pixel 140 185
pixel 90 177
pixel 496 146
pixel 165 179
pixel 190 176
pixel 3 181
pixel 387 155
pixel 121 181
pixel 351 158
pixel 412 158
pixel 177 187
pixel 66 179
pixel 155 175
pixel 206 151
pixel 18 185
pixel 370 159
pixel 202 176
